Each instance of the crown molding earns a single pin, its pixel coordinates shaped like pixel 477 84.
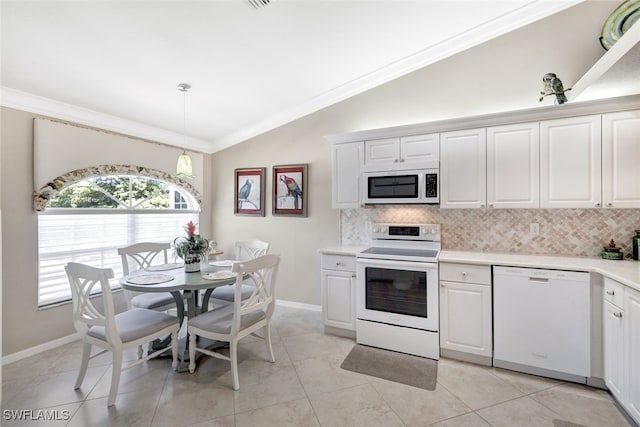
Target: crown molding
pixel 520 17
pixel 42 106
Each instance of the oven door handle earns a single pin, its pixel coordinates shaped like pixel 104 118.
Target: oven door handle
pixel 395 264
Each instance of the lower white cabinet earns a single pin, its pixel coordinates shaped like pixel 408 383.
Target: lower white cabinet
pixel 338 281
pixel 465 310
pixel 621 333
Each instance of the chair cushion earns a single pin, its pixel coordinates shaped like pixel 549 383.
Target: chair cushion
pixel 219 319
pixel 228 293
pixel 152 300
pixel 137 323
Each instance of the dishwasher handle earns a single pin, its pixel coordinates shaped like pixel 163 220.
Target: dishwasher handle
pixel 538 279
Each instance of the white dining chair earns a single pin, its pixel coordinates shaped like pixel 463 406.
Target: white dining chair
pixel 139 256
pixel 245 250
pixel 99 325
pixel 232 322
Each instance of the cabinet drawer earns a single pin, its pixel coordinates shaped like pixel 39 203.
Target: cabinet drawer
pixel 613 292
pixel 339 262
pixel 465 273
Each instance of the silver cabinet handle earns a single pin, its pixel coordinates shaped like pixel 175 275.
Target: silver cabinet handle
pixel 597 205
pixel 618 315
pixel 612 293
pixel 395 160
pixel 338 263
pixel 401 160
pixel 464 274
pixel 482 205
pixel 491 205
pixel 609 204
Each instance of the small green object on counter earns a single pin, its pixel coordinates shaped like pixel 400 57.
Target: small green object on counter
pixel 612 251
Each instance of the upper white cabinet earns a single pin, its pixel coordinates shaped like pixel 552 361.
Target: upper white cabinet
pixel 411 152
pixel 570 162
pixel 346 160
pixel 513 166
pixel 620 157
pixel 463 164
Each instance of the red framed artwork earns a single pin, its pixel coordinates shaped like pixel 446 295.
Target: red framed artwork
pixel 249 191
pixel 290 188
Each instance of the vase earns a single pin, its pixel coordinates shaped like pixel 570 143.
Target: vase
pixel 192 263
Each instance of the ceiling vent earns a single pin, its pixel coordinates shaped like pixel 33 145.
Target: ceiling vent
pixel 258 4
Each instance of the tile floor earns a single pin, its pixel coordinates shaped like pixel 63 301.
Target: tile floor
pixel 305 387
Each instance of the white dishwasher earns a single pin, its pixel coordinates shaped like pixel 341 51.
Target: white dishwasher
pixel 541 322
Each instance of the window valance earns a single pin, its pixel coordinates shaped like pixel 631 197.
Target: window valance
pixel 64 154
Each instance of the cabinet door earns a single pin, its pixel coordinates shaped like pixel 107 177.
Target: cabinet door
pixel 513 162
pixel 613 336
pixel 420 151
pixel 570 169
pixel 465 318
pixel 346 175
pixel 463 164
pixel 381 154
pixel 620 157
pixel 338 299
pixel 632 360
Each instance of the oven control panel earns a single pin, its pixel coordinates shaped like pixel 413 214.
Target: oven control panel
pixel 428 232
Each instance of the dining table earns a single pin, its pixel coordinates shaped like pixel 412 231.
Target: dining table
pixel 185 288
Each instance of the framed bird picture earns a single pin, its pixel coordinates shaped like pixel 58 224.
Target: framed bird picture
pixel 290 190
pixel 249 191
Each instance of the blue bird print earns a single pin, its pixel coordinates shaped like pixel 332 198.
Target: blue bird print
pixel 245 190
pixel 293 189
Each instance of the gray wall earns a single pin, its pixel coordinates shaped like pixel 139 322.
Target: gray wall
pixel 500 75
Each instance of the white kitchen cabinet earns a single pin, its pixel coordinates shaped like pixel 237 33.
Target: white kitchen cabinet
pixel 632 352
pixel 613 339
pixel 570 162
pixel 346 184
pixel 465 312
pixel 410 152
pixel 620 156
pixel 338 279
pixel 463 169
pixel 513 161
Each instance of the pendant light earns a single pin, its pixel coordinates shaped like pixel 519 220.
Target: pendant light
pixel 184 168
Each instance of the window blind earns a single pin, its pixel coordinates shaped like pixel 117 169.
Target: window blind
pixel 93 238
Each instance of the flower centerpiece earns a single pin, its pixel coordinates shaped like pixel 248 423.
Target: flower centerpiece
pixel 191 248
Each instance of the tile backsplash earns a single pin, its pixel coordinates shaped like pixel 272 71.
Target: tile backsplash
pixel 573 232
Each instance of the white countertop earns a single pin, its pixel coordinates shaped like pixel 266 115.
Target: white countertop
pixel 626 272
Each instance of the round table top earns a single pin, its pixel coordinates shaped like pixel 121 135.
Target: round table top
pixel 180 280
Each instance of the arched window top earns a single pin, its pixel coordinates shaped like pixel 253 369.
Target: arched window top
pixel 117 187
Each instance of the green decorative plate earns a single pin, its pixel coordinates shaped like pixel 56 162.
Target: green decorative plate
pixel 625 15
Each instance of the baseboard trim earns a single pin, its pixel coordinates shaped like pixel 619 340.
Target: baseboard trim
pixel 293 304
pixel 466 357
pixel 32 351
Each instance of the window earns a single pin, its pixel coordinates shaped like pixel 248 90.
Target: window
pixel 87 221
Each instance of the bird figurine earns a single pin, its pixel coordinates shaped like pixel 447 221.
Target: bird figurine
pixel 245 190
pixel 293 189
pixel 552 85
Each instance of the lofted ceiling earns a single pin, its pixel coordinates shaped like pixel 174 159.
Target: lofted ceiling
pixel 117 65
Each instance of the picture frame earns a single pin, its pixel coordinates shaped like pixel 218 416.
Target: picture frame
pixel 290 190
pixel 249 189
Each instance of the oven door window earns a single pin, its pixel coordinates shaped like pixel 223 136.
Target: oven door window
pixel 393 187
pixel 396 291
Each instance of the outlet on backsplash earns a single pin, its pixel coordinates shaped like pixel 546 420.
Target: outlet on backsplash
pixel 534 229
pixel 572 232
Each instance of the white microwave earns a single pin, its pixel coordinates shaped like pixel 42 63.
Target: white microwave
pixel 402 187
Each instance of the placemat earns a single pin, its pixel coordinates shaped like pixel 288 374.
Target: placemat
pixel 164 267
pixel 223 263
pixel 149 279
pixel 218 275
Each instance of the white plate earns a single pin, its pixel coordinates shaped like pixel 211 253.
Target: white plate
pixel 218 275
pixel 223 263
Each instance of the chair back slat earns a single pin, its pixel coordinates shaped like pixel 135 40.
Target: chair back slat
pixel 262 273
pixel 250 249
pixel 84 280
pixel 143 255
